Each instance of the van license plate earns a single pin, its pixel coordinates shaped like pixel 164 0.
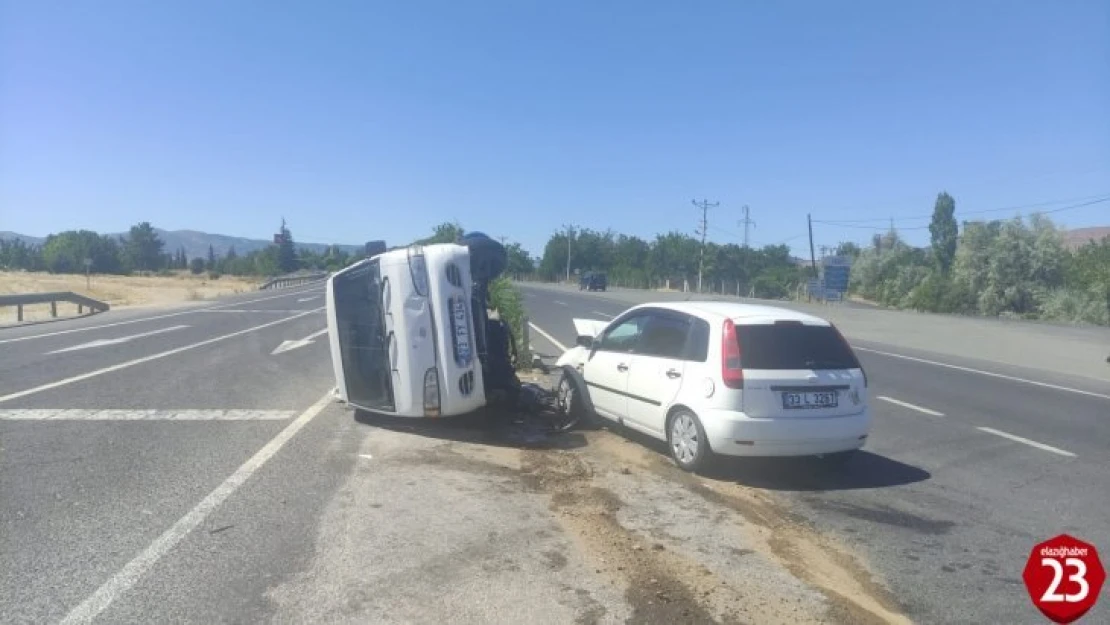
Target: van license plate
pixel 823 399
pixel 461 331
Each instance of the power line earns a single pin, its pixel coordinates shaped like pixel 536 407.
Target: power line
pixel 747 221
pixel 842 224
pixel 979 212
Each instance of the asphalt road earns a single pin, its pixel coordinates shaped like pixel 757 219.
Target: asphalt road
pixel 169 466
pixel 946 504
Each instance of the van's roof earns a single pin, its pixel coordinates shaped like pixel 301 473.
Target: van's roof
pixel 738 311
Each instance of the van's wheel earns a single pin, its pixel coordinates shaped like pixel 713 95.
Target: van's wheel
pixel 687 442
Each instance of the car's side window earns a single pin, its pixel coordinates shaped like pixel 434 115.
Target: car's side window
pixel 664 336
pixel 697 343
pixel 624 336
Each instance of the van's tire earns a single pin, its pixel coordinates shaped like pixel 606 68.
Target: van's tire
pixel 686 441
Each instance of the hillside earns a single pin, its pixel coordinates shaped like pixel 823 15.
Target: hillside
pixel 196 243
pixel 1080 236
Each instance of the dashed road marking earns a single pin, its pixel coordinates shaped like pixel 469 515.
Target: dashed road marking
pixel 116 341
pixel 906 404
pixel 139 361
pixel 151 318
pixel 1026 441
pixel 606 315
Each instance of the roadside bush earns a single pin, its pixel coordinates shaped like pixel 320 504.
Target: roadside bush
pixel 214 275
pixel 506 300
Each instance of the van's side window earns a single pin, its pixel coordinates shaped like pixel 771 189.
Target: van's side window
pixel 624 336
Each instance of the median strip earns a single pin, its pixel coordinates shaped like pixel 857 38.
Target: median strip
pixel 139 361
pixel 1026 441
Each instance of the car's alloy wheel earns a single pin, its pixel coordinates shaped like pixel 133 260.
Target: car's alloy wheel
pixel 687 442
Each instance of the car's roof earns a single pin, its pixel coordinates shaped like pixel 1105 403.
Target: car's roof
pixel 736 311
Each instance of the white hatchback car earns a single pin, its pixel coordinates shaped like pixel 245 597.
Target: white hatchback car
pixel 721 378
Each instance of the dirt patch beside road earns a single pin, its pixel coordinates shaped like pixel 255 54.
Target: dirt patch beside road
pixel 117 291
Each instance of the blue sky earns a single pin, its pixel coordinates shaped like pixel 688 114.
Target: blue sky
pixel 365 120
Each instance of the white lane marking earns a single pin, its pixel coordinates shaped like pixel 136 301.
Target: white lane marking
pixel 254 310
pixel 288 345
pixel 139 361
pixel 986 373
pixel 906 404
pixel 142 319
pixel 307 299
pixel 547 336
pixel 559 302
pixel 134 570
pixel 1055 450
pixel 115 341
pixel 366 456
pixel 599 313
pixel 78 414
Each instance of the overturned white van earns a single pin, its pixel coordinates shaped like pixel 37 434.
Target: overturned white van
pixel 407 328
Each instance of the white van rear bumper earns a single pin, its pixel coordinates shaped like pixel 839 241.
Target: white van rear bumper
pixel 735 434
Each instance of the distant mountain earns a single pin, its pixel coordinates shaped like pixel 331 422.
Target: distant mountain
pixel 1079 237
pixel 196 243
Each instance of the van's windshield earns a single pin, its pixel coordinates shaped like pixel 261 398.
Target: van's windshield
pixel 793 346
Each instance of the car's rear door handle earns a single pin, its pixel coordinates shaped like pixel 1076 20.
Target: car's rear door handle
pixel 673 373
pixel 622 367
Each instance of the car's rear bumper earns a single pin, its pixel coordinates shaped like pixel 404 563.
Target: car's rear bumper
pixel 734 434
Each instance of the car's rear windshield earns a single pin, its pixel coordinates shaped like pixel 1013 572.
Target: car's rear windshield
pixel 793 346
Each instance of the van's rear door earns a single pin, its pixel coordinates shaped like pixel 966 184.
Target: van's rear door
pixel 359 337
pixel 798 369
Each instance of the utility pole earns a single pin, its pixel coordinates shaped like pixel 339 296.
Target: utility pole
pixel 747 221
pixel 704 205
pixel 812 254
pixel 570 235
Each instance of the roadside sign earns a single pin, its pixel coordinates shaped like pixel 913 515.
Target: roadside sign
pixel 1064 577
pixel 88 262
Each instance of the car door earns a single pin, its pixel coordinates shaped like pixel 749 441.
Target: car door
pixel 655 373
pixel 606 368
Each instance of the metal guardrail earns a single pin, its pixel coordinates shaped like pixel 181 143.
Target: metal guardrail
pixel 20 300
pixel 288 281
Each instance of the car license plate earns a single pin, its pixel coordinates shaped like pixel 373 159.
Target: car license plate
pixel 819 399
pixel 460 331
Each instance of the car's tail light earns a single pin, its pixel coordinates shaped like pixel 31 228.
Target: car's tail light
pixel 732 373
pixel 848 348
pixel 431 393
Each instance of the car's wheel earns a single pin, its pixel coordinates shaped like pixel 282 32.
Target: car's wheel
pixel 572 408
pixel 687 442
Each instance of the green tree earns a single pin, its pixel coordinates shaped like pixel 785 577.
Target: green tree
pixel 143 248
pixel 944 232
pixel 286 259
pixel 211 264
pixel 519 262
pixel 196 265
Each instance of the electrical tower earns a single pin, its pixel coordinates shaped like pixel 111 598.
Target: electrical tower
pixel 704 205
pixel 747 222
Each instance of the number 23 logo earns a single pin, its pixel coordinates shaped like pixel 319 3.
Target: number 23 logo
pixel 1051 593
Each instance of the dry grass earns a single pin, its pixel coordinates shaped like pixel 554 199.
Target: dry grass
pixel 117 291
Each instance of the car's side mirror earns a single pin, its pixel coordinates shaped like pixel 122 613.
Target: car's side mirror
pixel 584 341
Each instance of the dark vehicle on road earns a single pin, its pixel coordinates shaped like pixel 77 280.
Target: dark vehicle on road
pixel 593 281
